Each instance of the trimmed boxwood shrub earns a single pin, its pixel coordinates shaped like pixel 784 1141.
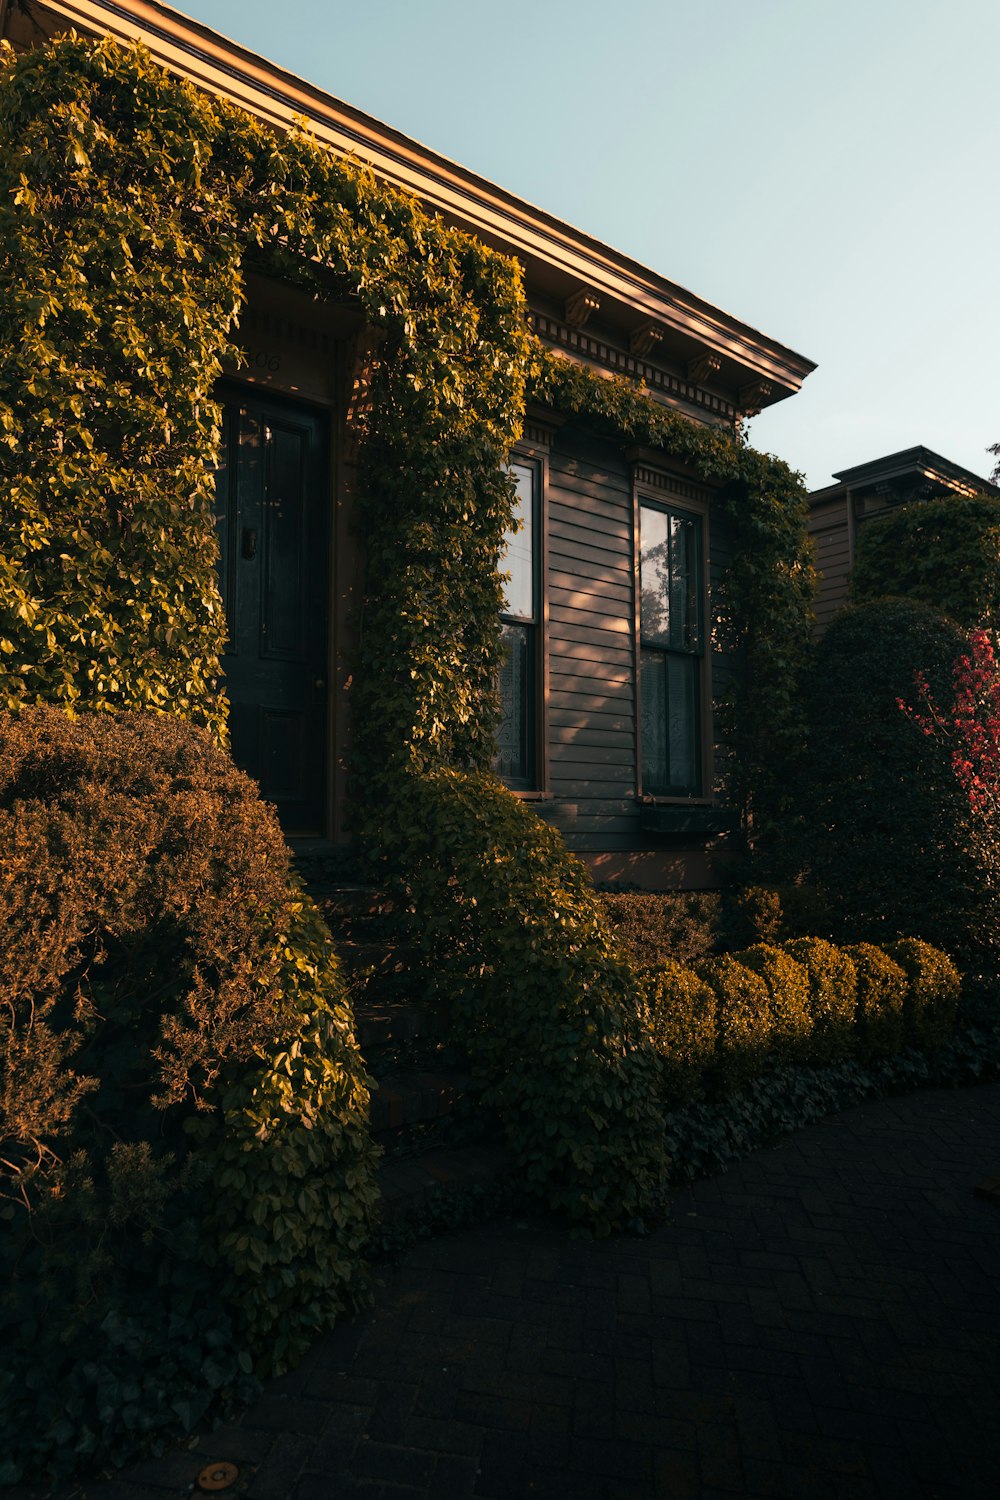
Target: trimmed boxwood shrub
pixel 885 825
pixel 881 991
pixel 186 1171
pixel 788 997
pixel 833 994
pixel 680 1014
pixel 933 987
pixel 742 1019
pixel 520 957
pixel 657 926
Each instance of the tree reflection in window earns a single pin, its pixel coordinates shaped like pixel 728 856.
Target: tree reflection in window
pixel 516 734
pixel 670 616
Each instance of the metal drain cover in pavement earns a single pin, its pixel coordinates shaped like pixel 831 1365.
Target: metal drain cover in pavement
pixel 218 1477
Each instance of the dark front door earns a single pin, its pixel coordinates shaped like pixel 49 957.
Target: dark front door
pixel 271 503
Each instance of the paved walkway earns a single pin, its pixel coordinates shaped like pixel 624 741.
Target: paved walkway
pixel 821 1320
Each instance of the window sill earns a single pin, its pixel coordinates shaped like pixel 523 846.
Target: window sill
pixel 686 816
pixel 523 796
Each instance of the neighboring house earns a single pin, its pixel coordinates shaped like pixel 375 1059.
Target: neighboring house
pixel 837 512
pixel 610 681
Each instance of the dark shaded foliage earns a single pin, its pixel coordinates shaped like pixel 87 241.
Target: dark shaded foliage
pixel 884 827
pixel 178 1080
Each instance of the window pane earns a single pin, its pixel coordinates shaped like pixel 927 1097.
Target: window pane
pixel 515 735
pixel 668 579
pixel 669 687
pixel 654 575
pixel 518 550
pixel 683 583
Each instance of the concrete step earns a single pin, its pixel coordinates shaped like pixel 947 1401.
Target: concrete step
pixel 409 1184
pixel 403 1099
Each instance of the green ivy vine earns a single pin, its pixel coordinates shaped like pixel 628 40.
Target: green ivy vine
pixel 130 207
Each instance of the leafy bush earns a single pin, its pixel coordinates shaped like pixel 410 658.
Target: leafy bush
pixel 944 553
pixel 186 1180
pixel 519 955
pixel 742 1019
pixel 881 995
pixel 788 998
pixel 833 993
pixel 886 827
pixel 657 926
pixel 933 987
pixel 680 1014
pixel 755 916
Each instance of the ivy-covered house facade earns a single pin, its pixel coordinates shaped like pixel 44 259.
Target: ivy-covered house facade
pixel 628 575
pixel 839 512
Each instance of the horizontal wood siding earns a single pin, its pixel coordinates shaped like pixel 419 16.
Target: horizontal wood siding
pixel 828 529
pixel 591 700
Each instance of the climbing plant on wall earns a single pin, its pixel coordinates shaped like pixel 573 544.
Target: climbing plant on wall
pixel 130 205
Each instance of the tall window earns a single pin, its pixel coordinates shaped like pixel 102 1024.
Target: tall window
pixel 519 631
pixel 671 648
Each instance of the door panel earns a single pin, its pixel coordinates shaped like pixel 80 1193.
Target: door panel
pixel 271 505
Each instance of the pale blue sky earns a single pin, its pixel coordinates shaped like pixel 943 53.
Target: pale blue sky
pixel 825 170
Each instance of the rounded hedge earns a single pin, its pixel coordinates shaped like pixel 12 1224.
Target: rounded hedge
pixel 832 998
pixel 881 994
pixel 743 1020
pixel 933 986
pixel 885 826
pixel 680 1013
pixel 788 997
pixel 187 1173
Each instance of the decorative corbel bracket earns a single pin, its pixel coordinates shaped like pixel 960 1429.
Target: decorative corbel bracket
pixel 702 368
pixel 581 306
pixel 753 395
pixel 645 339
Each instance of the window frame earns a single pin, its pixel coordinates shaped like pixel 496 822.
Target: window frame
pixel 665 499
pixel 536 786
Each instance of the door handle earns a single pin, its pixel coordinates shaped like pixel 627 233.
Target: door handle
pixel 248 548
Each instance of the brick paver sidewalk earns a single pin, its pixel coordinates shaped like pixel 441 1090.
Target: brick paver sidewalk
pixel 821 1320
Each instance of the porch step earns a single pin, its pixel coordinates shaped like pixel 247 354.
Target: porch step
pixel 375 955
pixel 404 1099
pixel 384 1022
pixel 410 1185
pixel 348 903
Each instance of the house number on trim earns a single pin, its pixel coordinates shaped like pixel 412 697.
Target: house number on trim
pixel 262 360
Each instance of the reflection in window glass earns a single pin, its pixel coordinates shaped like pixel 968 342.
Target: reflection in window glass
pixel 516 733
pixel 670 627
pixel 517 556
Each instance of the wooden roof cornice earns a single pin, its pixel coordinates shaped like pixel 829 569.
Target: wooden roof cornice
pixel 569 265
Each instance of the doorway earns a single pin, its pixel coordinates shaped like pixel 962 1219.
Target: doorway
pixel 272 504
